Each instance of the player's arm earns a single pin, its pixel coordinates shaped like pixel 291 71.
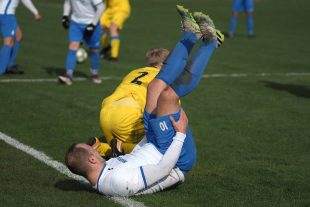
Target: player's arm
pixel 29 5
pixel 175 177
pixel 66 12
pixel 100 6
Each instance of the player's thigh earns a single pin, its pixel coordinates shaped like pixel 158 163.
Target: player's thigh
pixel 106 17
pixel 8 26
pixel 76 32
pixel 164 132
pixel 119 18
pixel 249 6
pixel 124 123
pixel 237 6
pixel 94 40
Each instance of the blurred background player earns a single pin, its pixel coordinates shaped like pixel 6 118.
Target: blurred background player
pixel 112 20
pixel 121 115
pixel 12 34
pixel 83 25
pixel 238 6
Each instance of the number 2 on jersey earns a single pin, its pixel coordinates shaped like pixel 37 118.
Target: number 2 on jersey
pixel 136 80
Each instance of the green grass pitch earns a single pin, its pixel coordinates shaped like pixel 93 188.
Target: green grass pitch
pixel 252 132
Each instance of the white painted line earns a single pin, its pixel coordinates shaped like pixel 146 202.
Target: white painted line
pixel 219 75
pixel 41 156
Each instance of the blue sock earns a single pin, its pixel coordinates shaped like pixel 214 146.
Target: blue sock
pixel 5 54
pixel 71 60
pixel 177 59
pixel 250 24
pixel 14 54
pixel 193 73
pixel 233 24
pixel 94 60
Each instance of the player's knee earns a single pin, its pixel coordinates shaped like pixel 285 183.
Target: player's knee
pixel 114 30
pixel 249 14
pixel 168 95
pixel 94 50
pixel 19 35
pixel 235 14
pixel 9 41
pixel 74 45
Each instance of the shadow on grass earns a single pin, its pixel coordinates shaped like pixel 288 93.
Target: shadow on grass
pixel 55 71
pixel 73 185
pixel 297 90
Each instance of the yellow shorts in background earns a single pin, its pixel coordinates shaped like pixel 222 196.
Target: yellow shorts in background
pixel 123 120
pixel 116 16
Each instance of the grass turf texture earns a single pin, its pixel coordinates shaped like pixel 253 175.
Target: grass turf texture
pixel 252 133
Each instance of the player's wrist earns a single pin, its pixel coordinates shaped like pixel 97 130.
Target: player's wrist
pixel 180 136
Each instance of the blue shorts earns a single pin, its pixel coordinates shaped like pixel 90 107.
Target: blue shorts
pixel 243 5
pixel 8 25
pixel 77 34
pixel 159 132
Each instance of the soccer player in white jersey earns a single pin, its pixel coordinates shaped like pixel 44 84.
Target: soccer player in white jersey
pixel 81 17
pixel 169 151
pixel 12 34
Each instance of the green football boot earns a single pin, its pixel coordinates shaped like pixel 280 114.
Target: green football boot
pixel 188 22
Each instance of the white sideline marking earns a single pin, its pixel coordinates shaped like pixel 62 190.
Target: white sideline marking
pixel 41 156
pixel 219 75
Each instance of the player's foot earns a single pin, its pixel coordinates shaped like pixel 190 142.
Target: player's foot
pixel 102 148
pixel 114 151
pixel 14 70
pixel 112 59
pixel 65 79
pixel 105 52
pixel 220 37
pixel 96 79
pixel 188 22
pixel 251 35
pixel 206 26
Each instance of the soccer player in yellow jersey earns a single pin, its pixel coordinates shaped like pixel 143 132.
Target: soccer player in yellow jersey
pixel 112 19
pixel 121 115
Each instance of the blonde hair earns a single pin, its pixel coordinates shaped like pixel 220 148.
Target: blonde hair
pixel 156 56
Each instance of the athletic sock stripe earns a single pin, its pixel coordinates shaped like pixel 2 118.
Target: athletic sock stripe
pixel 143 177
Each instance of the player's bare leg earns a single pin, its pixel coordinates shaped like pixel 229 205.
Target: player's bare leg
pixel 5 53
pixel 12 66
pixel 70 64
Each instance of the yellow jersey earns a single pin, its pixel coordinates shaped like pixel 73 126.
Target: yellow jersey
pixel 121 114
pixel 135 85
pixel 118 4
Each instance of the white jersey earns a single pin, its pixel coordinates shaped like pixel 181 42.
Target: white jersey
pixel 9 6
pixel 84 11
pixel 144 170
pixel 127 169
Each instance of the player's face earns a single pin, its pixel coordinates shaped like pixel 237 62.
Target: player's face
pixel 93 152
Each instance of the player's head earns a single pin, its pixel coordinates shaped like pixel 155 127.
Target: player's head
pixel 82 159
pixel 156 56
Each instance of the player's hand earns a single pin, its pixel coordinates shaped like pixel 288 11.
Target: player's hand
pixel 65 22
pixel 38 17
pixel 181 124
pixel 89 30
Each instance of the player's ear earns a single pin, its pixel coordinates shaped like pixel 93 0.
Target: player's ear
pixel 92 159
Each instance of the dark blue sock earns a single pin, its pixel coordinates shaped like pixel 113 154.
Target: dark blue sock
pixel 14 53
pixel 5 54
pixel 233 24
pixel 193 73
pixel 177 59
pixel 94 60
pixel 71 60
pixel 250 24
